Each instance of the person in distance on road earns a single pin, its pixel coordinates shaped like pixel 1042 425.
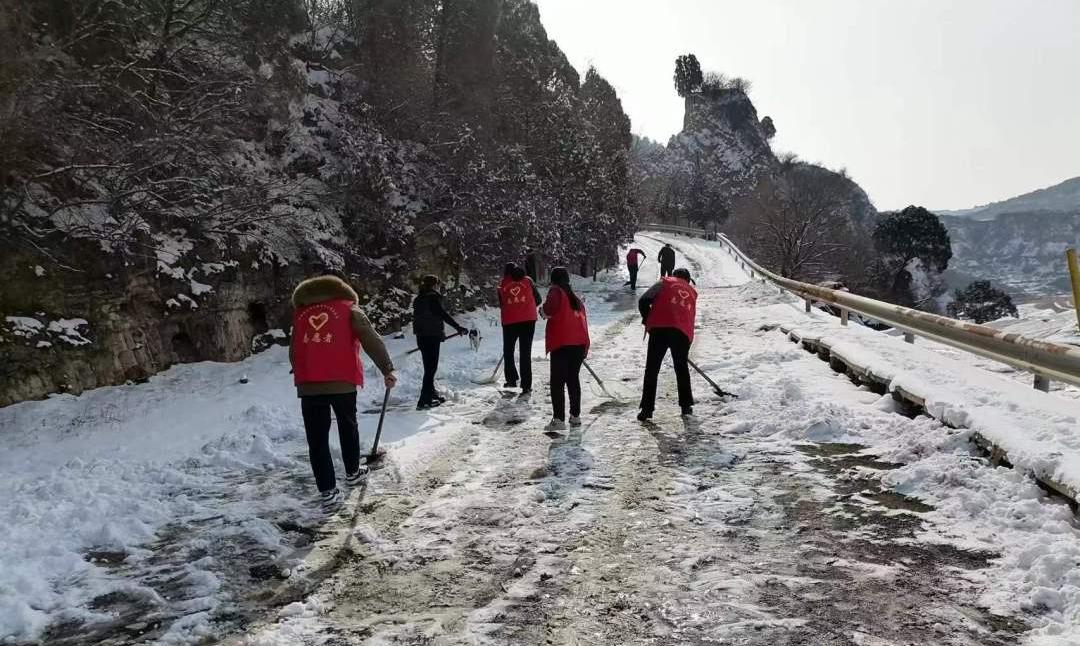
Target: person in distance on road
pixel 667 260
pixel 328 332
pixel 668 312
pixel 567 340
pixel 429 317
pixel 518 302
pixel 632 264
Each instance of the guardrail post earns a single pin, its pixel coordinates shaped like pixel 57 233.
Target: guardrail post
pixel 808 305
pixel 909 337
pixel 1042 383
pixel 843 317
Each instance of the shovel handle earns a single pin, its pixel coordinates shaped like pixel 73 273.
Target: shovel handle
pixel 378 431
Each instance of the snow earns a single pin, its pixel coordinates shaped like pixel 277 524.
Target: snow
pixel 24 325
pixel 151 491
pixel 68 330
pixel 39 271
pixel 191 458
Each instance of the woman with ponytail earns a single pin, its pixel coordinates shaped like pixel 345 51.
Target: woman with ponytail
pixel 567 341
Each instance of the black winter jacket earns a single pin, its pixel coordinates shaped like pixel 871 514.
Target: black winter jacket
pixel 667 257
pixel 429 315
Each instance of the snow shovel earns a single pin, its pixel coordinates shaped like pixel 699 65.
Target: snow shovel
pixel 491 379
pixel 375 456
pixel 719 391
pixel 601 383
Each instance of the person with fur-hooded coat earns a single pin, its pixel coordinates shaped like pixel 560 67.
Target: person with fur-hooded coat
pixel 329 331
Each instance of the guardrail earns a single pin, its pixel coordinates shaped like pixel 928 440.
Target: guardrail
pixel 1047 361
pixel 674 228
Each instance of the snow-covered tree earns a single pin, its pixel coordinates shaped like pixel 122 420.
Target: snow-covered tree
pixel 981 302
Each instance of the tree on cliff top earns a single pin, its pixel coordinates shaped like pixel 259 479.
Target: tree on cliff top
pixel 688 77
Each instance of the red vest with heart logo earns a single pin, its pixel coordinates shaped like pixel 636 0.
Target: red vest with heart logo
pixel 675 306
pixel 516 301
pixel 567 327
pixel 324 346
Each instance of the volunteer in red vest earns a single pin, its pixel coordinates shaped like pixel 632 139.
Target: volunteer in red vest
pixel 668 310
pixel 518 301
pixel 328 333
pixel 632 264
pixel 567 341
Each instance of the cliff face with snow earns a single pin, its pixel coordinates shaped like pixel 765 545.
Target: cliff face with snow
pixel 169 171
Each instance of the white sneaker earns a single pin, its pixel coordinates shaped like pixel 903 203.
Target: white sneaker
pixel 575 420
pixel 556 424
pixel 353 479
pixel 331 500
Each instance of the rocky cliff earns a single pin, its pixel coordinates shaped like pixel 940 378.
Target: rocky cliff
pixel 169 170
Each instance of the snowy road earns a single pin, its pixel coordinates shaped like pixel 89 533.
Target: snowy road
pixel 806 511
pixel 791 515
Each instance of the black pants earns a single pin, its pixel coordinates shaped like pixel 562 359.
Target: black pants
pixel 660 341
pixel 665 270
pixel 316 412
pixel 565 370
pixel 633 275
pixel 518 334
pixel 429 351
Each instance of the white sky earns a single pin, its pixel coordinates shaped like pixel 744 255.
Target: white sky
pixel 941 103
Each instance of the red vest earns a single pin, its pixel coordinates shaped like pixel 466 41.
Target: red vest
pixel 324 347
pixel 568 326
pixel 516 301
pixel 675 306
pixel 632 257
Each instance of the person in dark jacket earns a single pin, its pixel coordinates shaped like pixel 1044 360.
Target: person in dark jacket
pixel 328 331
pixel 429 317
pixel 667 260
pixel 668 312
pixel 518 302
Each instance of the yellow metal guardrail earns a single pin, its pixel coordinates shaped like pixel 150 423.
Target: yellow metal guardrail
pixel 1047 361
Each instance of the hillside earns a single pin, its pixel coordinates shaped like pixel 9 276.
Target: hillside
pixel 1063 197
pixel 171 169
pixel 1019 243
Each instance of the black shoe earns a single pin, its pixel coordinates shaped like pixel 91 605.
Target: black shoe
pixel 440 399
pixel 510 384
pixel 687 411
pixel 429 404
pixel 330 500
pixel 525 393
pixel 354 479
pixel 644 416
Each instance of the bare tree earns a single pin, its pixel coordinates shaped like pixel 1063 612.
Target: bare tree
pixel 797 224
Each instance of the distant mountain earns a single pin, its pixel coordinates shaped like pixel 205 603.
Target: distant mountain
pixel 1060 197
pixel 1018 243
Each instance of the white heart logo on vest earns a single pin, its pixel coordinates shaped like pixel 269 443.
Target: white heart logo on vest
pixel 515 290
pixel 318 320
pixel 684 295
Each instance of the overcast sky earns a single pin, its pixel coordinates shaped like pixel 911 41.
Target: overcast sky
pixel 941 103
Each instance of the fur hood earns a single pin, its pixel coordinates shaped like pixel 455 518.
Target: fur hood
pixel 321 289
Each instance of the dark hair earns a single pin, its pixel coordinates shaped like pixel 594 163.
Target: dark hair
pixel 561 278
pixel 429 283
pixel 682 272
pixel 517 273
pixel 508 269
